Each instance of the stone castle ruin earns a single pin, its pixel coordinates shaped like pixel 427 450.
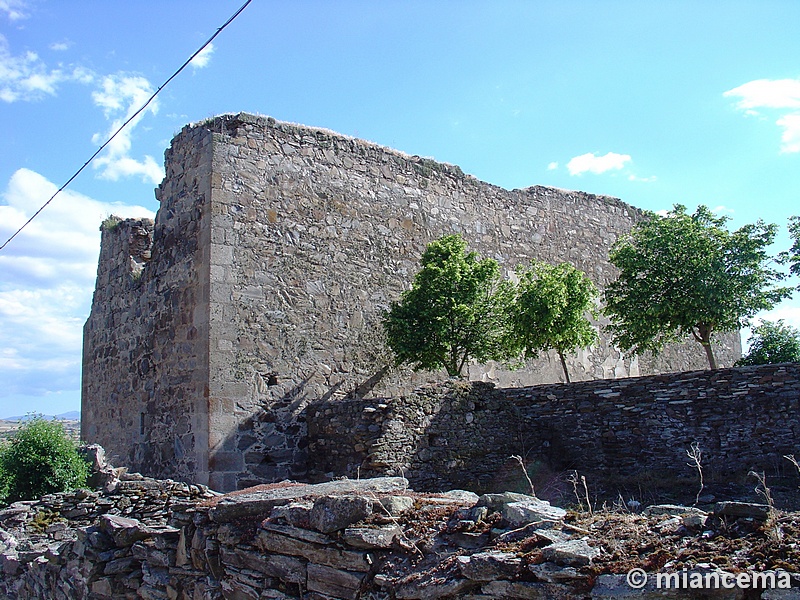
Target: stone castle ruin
pixel 259 289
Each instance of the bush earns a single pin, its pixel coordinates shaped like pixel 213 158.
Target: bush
pixel 40 459
pixel 772 343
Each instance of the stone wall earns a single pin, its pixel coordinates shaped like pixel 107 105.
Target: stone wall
pixel 275 249
pixel 145 348
pixel 627 435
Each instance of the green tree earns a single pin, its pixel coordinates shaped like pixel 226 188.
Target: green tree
pixel 456 310
pixel 683 274
pixel 794 253
pixel 772 343
pixel 550 311
pixel 40 459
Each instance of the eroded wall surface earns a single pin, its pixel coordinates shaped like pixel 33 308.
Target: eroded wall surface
pixel 145 351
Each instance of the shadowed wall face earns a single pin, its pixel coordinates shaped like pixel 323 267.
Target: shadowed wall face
pixel 275 250
pixel 629 434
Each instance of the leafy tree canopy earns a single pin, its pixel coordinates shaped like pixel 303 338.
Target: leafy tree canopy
pixel 683 274
pixel 456 310
pixel 550 311
pixel 772 343
pixel 40 459
pixel 794 252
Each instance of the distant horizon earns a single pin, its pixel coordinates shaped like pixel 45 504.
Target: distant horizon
pixel 65 416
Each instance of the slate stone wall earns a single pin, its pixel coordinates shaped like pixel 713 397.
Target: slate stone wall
pixel 274 251
pixel 624 435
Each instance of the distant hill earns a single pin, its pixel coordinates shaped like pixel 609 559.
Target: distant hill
pixel 73 415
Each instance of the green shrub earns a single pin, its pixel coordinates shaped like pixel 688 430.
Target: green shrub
pixel 772 343
pixel 110 223
pixel 43 519
pixel 40 459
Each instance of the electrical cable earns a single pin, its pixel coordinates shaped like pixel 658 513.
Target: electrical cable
pixel 131 118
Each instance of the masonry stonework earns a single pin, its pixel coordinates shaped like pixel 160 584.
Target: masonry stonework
pixel 274 251
pixel 628 436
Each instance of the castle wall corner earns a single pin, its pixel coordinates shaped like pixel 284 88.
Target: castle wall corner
pixel 145 360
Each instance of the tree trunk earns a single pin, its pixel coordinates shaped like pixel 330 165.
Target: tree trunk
pixel 704 338
pixel 712 362
pixel 564 365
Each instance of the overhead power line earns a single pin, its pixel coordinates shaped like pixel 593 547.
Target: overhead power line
pixel 131 118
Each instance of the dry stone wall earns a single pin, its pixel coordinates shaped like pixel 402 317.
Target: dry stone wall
pixel 628 435
pixel 274 251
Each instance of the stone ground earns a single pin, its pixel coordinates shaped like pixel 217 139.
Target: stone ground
pixel 739 537
pixel 448 550
pixel 377 539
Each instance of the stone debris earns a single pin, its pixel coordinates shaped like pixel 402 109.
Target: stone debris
pixel 262 501
pixel 164 540
pixel 742 509
pixel 489 566
pixel 371 538
pixel 519 509
pixel 532 511
pixel 570 553
pixel 673 510
pixel 333 513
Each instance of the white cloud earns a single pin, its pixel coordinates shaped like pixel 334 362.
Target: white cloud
pixel 64 238
pixel 120 96
pixel 766 93
pixel 48 279
pixel 778 94
pixel 202 59
pixel 125 166
pixel 788 311
pixel 650 179
pixel 592 163
pixel 60 46
pixel 25 77
pixel 14 9
pixel 552 166
pixel 790 139
pixel 123 91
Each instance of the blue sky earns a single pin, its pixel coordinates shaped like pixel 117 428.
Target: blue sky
pixel 653 102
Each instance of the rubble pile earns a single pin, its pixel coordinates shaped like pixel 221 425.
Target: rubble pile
pixel 373 538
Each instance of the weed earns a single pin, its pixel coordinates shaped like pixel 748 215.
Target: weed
pixel 696 456
pixel 793 460
pixel 771 525
pixel 43 519
pixel 574 479
pixel 110 223
pixel 521 462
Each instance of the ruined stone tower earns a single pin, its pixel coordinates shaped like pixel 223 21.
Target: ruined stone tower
pixel 259 287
